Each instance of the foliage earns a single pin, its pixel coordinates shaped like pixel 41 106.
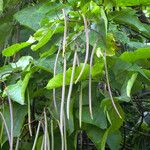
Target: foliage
pixel 74 66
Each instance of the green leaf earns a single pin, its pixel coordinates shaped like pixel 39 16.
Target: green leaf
pixel 94 133
pixel 132 2
pixel 47 64
pixel 45 38
pixel 56 81
pixel 19 113
pixel 114 140
pixel 103 142
pixel 128 17
pixel 1 6
pixel 99 118
pixel 5 71
pixel 141 53
pixel 112 114
pixel 17 47
pixel 14 48
pixel 32 16
pixel 17 91
pixel 130 83
pixel 22 63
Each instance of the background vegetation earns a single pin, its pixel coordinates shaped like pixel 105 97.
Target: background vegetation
pixel 74 74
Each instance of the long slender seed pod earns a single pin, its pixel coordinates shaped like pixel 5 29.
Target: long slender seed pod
pixel 65 31
pixel 71 84
pixel 62 103
pixel 65 134
pixel 37 134
pixel 64 80
pixel 11 121
pixel 80 107
pixel 46 135
pixel 6 127
pixel 29 114
pixel 108 85
pixel 55 68
pixel 52 135
pixel 87 48
pixel 1 132
pixel 42 145
pixel 17 144
pixel 90 81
